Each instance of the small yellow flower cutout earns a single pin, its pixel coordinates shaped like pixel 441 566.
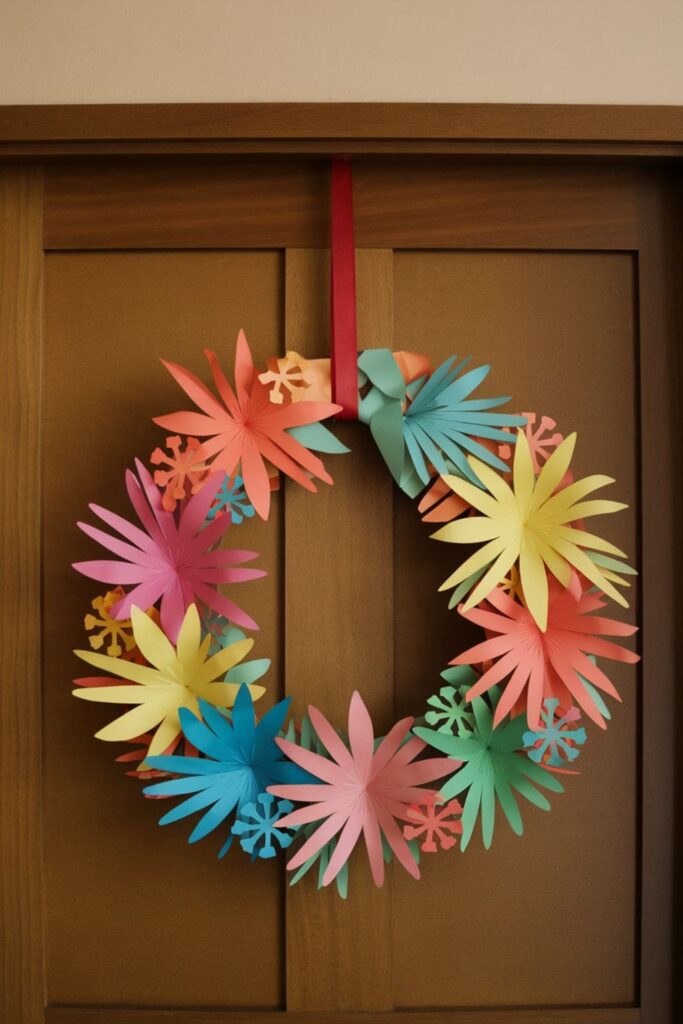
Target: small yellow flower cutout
pixel 530 523
pixel 176 677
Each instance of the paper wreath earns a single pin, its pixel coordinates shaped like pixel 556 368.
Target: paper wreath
pixel 506 723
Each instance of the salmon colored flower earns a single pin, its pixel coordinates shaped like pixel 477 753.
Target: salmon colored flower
pixel 246 428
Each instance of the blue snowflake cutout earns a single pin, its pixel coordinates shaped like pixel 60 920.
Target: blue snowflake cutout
pixel 557 741
pixel 231 497
pixel 255 825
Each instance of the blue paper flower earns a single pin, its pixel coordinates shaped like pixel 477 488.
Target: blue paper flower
pixel 231 497
pixel 255 825
pixel 241 759
pixel 558 740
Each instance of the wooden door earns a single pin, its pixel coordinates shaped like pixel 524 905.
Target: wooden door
pixel 557 274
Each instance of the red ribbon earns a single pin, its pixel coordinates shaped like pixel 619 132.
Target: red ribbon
pixel 343 333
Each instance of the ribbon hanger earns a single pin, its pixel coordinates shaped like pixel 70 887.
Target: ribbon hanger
pixel 343 330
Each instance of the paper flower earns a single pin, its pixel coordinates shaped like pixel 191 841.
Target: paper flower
pixel 172 557
pixel 187 470
pixel 118 635
pixel 550 663
pixel 434 823
pixel 432 421
pixel 240 761
pixel 530 521
pixel 255 825
pixel 174 680
pixel 245 427
pixel 494 769
pixel 360 790
pixel 452 713
pixel 558 739
pixel 231 498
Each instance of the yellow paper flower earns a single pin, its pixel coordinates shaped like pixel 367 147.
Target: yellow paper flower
pixel 176 677
pixel 530 522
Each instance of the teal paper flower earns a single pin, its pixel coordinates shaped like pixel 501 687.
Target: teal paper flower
pixel 495 770
pixel 433 420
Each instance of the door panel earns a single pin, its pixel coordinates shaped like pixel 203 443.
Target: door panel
pixel 558 330
pixel 134 914
pixel 556 274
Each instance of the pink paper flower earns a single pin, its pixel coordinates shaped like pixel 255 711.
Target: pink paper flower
pixel 361 790
pixel 553 663
pixel 171 558
pixel 245 427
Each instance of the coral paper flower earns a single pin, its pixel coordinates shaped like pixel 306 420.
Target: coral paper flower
pixel 530 522
pixel 172 557
pixel 362 789
pixel 245 427
pixel 175 678
pixel 550 663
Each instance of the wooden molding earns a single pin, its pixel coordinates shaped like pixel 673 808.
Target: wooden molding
pixel 108 129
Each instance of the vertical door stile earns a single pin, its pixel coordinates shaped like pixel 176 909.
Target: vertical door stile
pixel 339 638
pixel 21 296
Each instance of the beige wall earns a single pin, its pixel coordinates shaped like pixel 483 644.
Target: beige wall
pixel 566 51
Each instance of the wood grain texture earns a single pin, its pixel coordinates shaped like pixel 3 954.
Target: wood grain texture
pixel 158 920
pixel 340 122
pixel 21 879
pixel 338 630
pixel 660 321
pixel 539 320
pixel 398 204
pixel 506 1015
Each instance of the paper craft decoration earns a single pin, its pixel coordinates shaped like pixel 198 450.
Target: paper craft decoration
pixel 495 766
pixel 240 760
pixel 530 523
pixel 171 559
pixel 510 715
pixel 175 678
pixel 553 663
pixel 558 740
pixel 359 789
pixel 246 427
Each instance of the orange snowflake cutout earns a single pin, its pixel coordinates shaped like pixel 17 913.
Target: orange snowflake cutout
pixel 291 373
pixel 541 442
pixel 187 470
pixel 434 822
pixel 119 634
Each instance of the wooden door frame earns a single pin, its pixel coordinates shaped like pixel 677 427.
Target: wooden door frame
pixel 648 138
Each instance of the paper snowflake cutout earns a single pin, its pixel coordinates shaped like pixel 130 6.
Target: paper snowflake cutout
pixel 557 740
pixel 255 825
pixel 292 375
pixel 452 713
pixel 434 823
pixel 541 442
pixel 187 470
pixel 231 498
pixel 117 634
